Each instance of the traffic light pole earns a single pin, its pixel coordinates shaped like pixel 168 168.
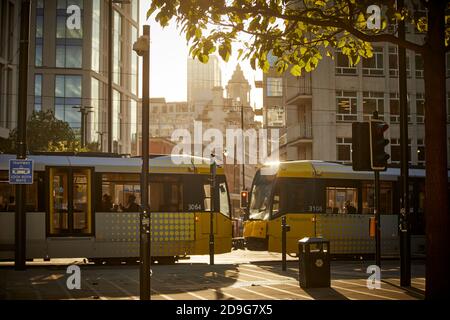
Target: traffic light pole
pixel 405 239
pixel 20 215
pixel 377 219
pixel 243 147
pixel 376 201
pixel 211 215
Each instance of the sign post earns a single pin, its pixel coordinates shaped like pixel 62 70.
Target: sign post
pixel 20 171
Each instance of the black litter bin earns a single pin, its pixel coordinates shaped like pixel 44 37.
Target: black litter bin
pixel 314 262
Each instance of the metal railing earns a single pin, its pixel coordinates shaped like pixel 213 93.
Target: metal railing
pixel 299 131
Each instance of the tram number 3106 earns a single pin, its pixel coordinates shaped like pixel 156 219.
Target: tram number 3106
pixel 315 209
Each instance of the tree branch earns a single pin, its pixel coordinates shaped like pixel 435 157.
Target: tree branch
pixel 326 22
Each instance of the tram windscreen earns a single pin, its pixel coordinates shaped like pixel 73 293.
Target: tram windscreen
pixel 260 198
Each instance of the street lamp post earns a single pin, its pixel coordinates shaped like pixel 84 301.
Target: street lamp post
pixel 212 191
pixel 243 147
pixel 100 133
pixel 20 215
pixel 240 105
pixel 84 110
pixel 142 48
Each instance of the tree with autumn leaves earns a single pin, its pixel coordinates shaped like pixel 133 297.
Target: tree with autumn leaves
pixel 299 33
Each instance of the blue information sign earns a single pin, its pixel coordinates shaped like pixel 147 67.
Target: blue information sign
pixel 20 171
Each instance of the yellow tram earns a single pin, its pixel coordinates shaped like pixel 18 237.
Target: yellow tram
pixel 84 206
pixel 333 201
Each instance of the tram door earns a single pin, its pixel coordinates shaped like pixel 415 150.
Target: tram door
pixel 69 201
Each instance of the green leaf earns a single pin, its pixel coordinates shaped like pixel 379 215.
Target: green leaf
pixel 296 70
pixel 240 52
pixel 224 52
pixel 308 67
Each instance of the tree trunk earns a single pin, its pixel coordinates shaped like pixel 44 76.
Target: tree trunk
pixel 436 201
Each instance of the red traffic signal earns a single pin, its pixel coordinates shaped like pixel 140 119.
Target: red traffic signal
pixel 244 199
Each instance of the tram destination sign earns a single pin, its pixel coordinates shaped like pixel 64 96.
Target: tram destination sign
pixel 20 171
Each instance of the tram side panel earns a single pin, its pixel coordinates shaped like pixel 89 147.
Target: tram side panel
pixel 349 233
pixel 37 246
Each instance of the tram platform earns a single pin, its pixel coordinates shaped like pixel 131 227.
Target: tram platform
pixel 239 275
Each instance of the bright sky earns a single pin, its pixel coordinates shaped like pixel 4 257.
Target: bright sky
pixel 168 63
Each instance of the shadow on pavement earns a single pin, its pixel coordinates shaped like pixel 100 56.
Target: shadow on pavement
pixel 324 294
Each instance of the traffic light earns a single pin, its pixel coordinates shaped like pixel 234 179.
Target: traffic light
pixel 361 146
pixel 244 199
pixel 378 157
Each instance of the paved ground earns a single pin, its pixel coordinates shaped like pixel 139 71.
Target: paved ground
pixel 237 275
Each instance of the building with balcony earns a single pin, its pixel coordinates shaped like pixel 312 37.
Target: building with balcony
pixel 315 111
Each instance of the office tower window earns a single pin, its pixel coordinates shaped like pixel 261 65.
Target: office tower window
pixel 117 47
pixel 374 66
pixel 11 33
pixel 96 44
pixel 94 116
pixel 419 66
pixel 274 87
pixel 373 101
pixel 62 31
pixel 116 115
pixel 396 152
pixel 68 96
pixel 3 27
pixel 134 76
pixel 133 121
pixel 135 10
pixel 63 4
pixel 38 55
pixel 39 39
pixel 393 62
pixel 343 66
pixel 9 122
pixel 38 92
pixel 68 56
pixel 344 149
pixel 394 107
pixel 420 108
pixel 69 43
pixel 7 33
pixel 346 105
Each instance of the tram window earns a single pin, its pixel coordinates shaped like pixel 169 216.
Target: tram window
pixel 342 200
pixel 59 200
pixel 166 194
pixel 261 191
pixel 70 201
pixel 386 198
pixel 8 194
pixel 207 199
pixel 81 192
pixel 120 192
pixel 223 198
